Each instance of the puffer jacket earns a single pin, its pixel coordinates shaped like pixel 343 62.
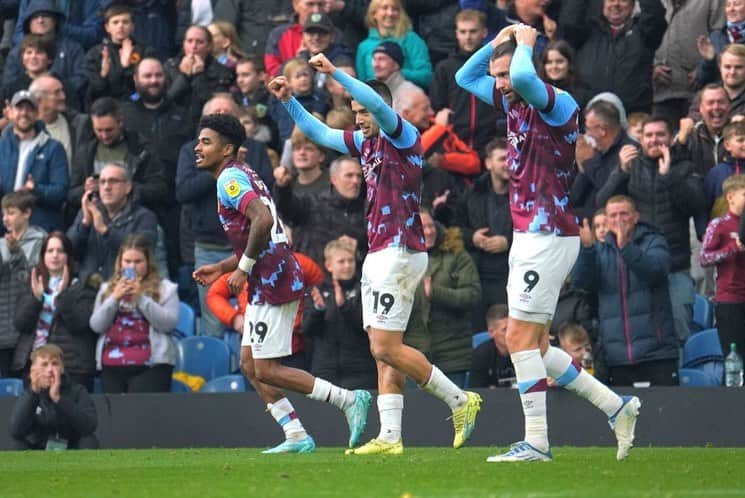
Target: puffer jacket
pixel 440 325
pixel 162 317
pixel 636 321
pixel 15 269
pixel 666 202
pixel 69 329
pixel 193 92
pixel 319 219
pixel 620 63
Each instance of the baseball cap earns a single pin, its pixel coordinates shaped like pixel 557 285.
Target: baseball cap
pixel 392 50
pixel 320 21
pixel 23 96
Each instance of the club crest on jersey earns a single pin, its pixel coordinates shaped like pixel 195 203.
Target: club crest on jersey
pixel 232 188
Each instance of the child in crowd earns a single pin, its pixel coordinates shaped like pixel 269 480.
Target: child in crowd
pixel 333 320
pixel 300 79
pixel 110 65
pixel 635 120
pixel 249 118
pixel 37 55
pixel 734 164
pixel 599 225
pixel 575 341
pixel 225 43
pixel 249 84
pixel 723 247
pixel 20 250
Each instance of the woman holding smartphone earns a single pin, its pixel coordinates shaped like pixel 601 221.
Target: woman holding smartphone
pixel 135 313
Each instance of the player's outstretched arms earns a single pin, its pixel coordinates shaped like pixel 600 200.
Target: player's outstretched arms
pixel 312 127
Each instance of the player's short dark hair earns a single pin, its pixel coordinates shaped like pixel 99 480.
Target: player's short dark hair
pixel 496 312
pixel 227 126
pixel 606 112
pixel 505 48
pixel 494 144
pixel 106 106
pixel 382 90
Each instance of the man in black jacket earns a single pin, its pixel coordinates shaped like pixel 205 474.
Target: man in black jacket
pixel 318 219
pixel 484 217
pixel 168 127
pixel 667 193
pixel 615 50
pixel 54 413
pixel 110 142
pixel 595 163
pixel 474 121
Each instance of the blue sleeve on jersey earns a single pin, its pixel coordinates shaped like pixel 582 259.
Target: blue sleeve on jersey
pixel 474 77
pixel 404 137
pixel 385 116
pixel 316 130
pixel 232 185
pixel 532 89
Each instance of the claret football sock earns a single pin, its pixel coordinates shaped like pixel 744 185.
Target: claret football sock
pixel 571 376
pixel 324 390
pixel 531 381
pixel 284 413
pixel 444 389
pixel 390 407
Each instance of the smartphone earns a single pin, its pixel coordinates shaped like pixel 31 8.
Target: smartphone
pixel 129 273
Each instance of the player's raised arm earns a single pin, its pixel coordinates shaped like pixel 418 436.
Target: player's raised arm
pixel 556 106
pixel 312 127
pixel 384 115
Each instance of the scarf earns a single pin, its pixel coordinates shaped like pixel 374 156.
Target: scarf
pixel 736 32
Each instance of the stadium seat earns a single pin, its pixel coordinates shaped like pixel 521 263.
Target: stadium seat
pixel 11 387
pixel 179 387
pixel 702 347
pixel 703 312
pixel 233 340
pixel 701 377
pixel 205 356
pixel 226 384
pixel 480 338
pixel 186 322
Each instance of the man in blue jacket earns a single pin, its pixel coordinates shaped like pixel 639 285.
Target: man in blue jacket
pixel 30 159
pixel 629 273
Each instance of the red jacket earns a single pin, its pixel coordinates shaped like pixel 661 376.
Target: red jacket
pixel 457 156
pixel 282 45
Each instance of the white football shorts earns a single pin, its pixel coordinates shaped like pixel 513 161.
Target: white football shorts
pixel 267 329
pixel 390 278
pixel 539 265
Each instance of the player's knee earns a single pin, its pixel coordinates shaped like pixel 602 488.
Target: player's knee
pixel 380 351
pixel 264 372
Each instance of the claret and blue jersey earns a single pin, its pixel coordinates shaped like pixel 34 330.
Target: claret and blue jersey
pixel 542 130
pixel 391 163
pixel 276 277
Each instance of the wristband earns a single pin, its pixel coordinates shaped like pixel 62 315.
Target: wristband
pixel 246 264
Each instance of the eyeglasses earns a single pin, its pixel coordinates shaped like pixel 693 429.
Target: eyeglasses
pixel 111 181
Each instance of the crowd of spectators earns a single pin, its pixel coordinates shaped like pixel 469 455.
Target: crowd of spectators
pixel 105 214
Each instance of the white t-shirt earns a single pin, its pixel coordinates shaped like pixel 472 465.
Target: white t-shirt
pixel 24 149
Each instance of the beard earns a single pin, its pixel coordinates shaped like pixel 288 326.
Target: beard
pixel 147 95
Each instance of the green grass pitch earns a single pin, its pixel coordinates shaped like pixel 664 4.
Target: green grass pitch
pixel 418 473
